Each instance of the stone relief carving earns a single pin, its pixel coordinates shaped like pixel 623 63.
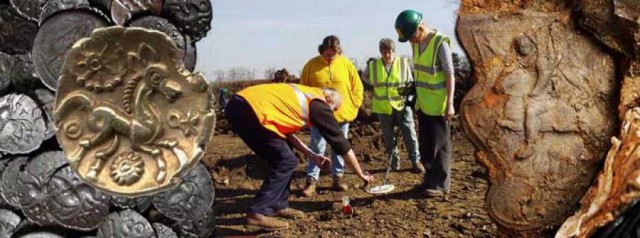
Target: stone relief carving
pixel 540 113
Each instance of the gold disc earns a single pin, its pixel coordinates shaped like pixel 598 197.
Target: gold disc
pixel 129 116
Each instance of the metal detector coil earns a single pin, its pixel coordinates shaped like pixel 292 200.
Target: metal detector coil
pixel 382 189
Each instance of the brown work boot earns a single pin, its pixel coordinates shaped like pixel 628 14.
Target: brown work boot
pixel 310 187
pixel 290 213
pixel 418 168
pixel 339 184
pixel 265 222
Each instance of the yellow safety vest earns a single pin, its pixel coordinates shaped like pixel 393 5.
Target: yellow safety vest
pixel 386 86
pixel 431 90
pixel 282 108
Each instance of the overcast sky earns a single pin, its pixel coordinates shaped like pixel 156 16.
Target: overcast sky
pixel 278 33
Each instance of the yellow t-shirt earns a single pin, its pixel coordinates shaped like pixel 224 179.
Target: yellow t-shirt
pixel 341 75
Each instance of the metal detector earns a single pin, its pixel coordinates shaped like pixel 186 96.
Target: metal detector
pixel 385 187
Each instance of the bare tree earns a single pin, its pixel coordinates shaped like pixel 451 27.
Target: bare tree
pixel 270 72
pixel 234 74
pixel 220 74
pixel 249 74
pixel 461 66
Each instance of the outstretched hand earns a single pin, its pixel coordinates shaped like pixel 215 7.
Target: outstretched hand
pixel 367 178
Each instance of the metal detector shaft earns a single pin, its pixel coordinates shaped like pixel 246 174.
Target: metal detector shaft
pixel 386 176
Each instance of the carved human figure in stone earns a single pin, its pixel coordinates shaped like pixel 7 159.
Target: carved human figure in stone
pixel 539 98
pixel 539 114
pixel 517 84
pixel 527 84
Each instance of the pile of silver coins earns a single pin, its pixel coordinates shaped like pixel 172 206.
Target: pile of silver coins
pixel 40 195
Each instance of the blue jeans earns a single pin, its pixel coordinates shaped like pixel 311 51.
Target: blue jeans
pixel 318 145
pixel 404 120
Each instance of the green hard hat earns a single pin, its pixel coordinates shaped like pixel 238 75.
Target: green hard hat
pixel 407 23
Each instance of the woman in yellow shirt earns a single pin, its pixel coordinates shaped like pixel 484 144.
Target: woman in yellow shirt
pixel 332 69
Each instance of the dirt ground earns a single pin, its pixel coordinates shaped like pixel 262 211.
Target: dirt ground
pixel 404 212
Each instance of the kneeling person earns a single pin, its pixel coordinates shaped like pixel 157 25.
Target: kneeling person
pixel 265 117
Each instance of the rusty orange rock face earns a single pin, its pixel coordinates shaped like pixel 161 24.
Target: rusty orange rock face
pixel 541 113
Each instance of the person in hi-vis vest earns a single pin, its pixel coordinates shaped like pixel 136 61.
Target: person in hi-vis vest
pixel 392 84
pixel 331 69
pixel 435 84
pixel 265 117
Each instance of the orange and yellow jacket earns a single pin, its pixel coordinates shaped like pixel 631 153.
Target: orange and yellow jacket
pixel 341 75
pixel 282 108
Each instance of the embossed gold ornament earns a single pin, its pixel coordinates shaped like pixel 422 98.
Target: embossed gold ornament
pixel 129 116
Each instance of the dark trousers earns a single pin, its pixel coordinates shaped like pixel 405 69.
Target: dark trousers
pixel 274 193
pixel 434 136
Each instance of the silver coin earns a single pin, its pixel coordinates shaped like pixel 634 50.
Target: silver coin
pixel 17 34
pixel 163 231
pixel 6 69
pixel 74 204
pixel 41 234
pixel 29 9
pixel 193 17
pixel 190 55
pixel 21 124
pixel 140 204
pixel 200 228
pixel 144 203
pixel 127 223
pixel 123 10
pixel 56 37
pixel 10 183
pixel 191 199
pixel 164 26
pixel 103 5
pixel 4 162
pixel 45 99
pixel 9 221
pixel 54 6
pixel 123 202
pixel 33 193
pixel 23 76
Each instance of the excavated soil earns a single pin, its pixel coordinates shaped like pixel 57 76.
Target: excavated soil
pixel 238 174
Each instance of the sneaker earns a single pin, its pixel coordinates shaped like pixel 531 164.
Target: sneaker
pixel 433 193
pixel 265 222
pixel 339 185
pixel 418 168
pixel 290 213
pixel 310 187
